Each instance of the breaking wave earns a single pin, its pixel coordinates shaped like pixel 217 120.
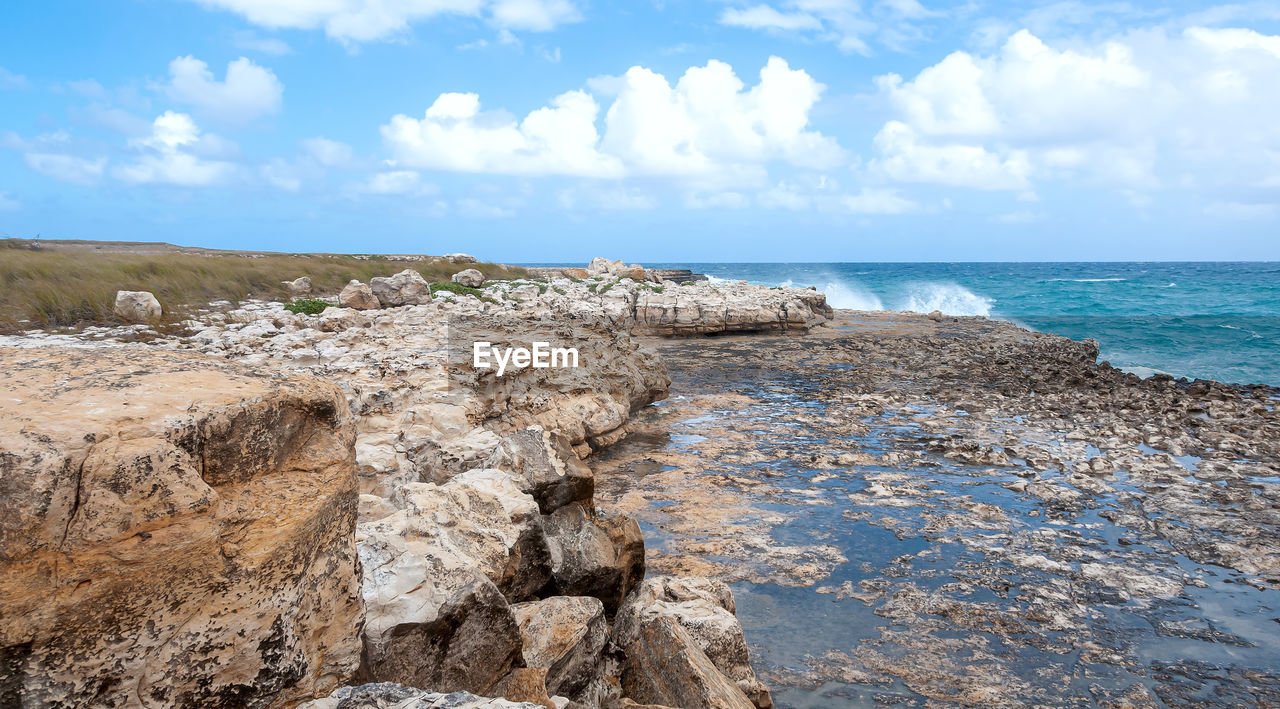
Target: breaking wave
pixel 950 298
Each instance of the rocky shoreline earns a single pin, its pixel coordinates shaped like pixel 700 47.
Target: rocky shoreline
pixel 341 510
pixel 456 546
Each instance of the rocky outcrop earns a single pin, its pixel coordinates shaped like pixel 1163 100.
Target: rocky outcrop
pixel 389 695
pixel 407 287
pixel 664 666
pixel 708 309
pixel 565 635
pixel 298 286
pixel 545 467
pixel 705 609
pixel 137 305
pixel 589 558
pixel 470 278
pixel 358 296
pixel 174 530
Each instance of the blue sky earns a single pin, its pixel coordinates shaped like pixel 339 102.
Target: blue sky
pixel 671 130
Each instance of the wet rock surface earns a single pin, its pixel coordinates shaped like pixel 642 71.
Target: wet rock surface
pixel 943 512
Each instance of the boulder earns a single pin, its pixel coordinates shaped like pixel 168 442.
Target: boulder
pixel 576 273
pixel 601 266
pixel 664 666
pixel 525 292
pixel 564 635
pixel 461 258
pixel 358 296
pixel 175 530
pixel 604 560
pixel 525 684
pixel 298 286
pixel 470 278
pixel 407 287
pixel 545 467
pixel 705 609
pixel 635 272
pixel 137 305
pixel 389 695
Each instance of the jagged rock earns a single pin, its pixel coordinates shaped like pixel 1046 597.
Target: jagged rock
pixel 526 684
pixel 664 666
pixel 339 319
pixel 175 530
pixel 601 266
pixel 565 635
pixel 470 278
pixel 298 286
pixel 705 609
pixel 137 305
pixel 407 287
pixel 528 291
pixel 591 559
pixel 389 695
pixel 358 296
pixel 545 467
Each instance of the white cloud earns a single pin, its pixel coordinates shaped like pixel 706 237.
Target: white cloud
pixel 472 207
pixel 707 127
pixel 1241 211
pixel 455 135
pixel 251 42
pixel 1144 111
pixel 607 199
pixel 176 153
pixel 8 204
pixel 67 168
pixel 10 80
pixel 247 92
pixel 365 20
pixel 397 182
pixel 845 23
pixel 717 200
pixel 877 201
pixel 330 153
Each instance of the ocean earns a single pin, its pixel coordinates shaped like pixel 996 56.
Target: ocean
pixel 1207 320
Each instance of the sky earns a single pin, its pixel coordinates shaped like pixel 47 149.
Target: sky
pixel 648 130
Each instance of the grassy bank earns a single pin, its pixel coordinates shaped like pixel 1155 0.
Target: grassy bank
pixel 53 287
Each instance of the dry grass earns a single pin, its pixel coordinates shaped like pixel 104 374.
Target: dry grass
pixel 72 287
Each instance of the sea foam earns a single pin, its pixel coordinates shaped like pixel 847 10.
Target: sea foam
pixel 949 298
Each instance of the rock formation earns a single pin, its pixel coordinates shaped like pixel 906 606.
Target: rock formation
pixel 358 296
pixel 469 277
pixel 407 287
pixel 136 305
pixel 175 531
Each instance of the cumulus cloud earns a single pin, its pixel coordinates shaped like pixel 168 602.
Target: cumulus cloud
pixel 67 168
pixel 176 153
pixel 330 153
pixel 10 80
pixel 708 126
pixel 1147 110
pixel 397 182
pixel 247 91
pixel 366 20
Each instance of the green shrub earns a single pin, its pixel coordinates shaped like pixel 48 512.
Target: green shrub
pixel 456 288
pixel 306 306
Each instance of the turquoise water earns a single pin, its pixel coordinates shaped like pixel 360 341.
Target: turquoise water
pixel 1211 320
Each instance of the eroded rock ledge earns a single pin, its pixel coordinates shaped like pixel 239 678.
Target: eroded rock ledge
pixel 174 530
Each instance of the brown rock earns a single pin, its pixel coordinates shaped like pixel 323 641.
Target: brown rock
pixel 174 530
pixel 592 559
pixel 358 296
pixel 525 684
pixel 664 666
pixel 564 635
pixel 575 273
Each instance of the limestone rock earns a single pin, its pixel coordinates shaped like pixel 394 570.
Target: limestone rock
pixel 565 635
pixel 461 258
pixel 389 695
pixel 298 286
pixel 407 287
pixel 358 296
pixel 705 609
pixel 174 529
pixel 470 278
pixel 664 666
pixel 592 559
pixel 528 291
pixel 137 305
pixel 545 467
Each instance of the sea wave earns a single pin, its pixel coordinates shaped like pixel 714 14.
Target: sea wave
pixel 1084 280
pixel 949 298
pixel 851 297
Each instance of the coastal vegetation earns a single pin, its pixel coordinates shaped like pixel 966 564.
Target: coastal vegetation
pixel 49 285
